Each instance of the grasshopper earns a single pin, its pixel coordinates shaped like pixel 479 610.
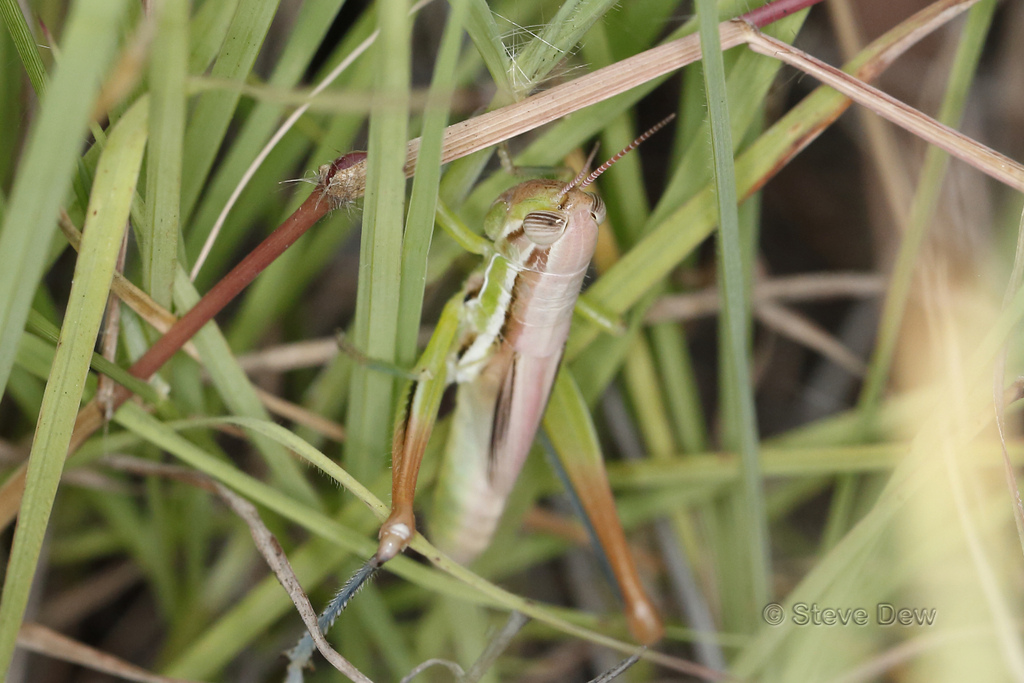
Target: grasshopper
pixel 501 341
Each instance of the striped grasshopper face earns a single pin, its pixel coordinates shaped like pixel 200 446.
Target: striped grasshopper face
pixel 540 227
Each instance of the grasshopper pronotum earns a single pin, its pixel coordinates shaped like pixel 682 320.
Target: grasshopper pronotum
pixel 501 341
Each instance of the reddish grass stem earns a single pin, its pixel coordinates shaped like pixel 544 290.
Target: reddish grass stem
pixel 773 11
pixel 231 285
pixel 311 210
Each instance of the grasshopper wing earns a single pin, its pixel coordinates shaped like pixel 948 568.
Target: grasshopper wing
pixel 496 419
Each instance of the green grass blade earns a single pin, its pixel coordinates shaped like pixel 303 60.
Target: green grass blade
pixel 735 310
pixel 380 258
pixel 109 206
pixel 239 395
pixel 209 122
pixel 423 201
pixel 25 44
pixel 49 160
pixel 641 381
pixel 11 115
pixel 206 33
pixel 167 71
pixel 681 391
pixel 310 26
pixel 37 324
pixel 559 35
pixel 484 32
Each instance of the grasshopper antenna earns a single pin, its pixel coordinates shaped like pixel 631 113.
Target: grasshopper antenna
pixel 629 148
pixel 576 181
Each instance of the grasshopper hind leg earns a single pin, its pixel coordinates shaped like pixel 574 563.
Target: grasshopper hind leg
pixel 414 423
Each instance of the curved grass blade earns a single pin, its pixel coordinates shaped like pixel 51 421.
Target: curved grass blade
pixel 453 579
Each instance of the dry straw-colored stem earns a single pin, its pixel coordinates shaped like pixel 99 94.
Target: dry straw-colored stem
pixel 480 132
pixel 803 331
pixel 986 160
pixel 47 642
pixel 806 287
pixel 486 130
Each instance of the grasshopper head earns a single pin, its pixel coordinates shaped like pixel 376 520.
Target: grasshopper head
pixel 543 227
pixel 551 227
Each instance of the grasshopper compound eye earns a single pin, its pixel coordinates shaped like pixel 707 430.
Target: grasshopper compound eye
pixel 597 210
pixel 544 227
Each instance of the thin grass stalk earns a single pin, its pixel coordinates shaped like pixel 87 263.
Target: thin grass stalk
pixel 375 327
pixel 423 200
pixel 881 138
pixel 998 390
pixel 168 68
pixel 735 310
